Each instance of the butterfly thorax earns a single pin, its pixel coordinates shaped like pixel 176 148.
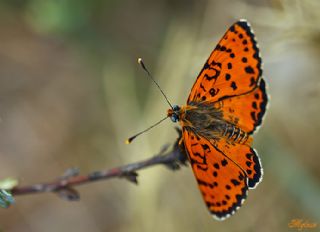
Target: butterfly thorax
pixel 206 119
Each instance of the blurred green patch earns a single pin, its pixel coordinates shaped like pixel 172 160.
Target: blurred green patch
pixel 61 16
pixel 8 183
pixel 6 199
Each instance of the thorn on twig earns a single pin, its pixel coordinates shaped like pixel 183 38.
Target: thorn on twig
pixel 70 172
pixel 68 194
pixel 95 175
pixel 131 177
pixel 172 166
pixel 164 148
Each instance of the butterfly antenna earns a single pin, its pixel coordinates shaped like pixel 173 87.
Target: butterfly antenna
pixel 129 140
pixel 140 61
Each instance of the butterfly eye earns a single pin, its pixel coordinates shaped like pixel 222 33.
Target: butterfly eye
pixel 174 118
pixel 176 108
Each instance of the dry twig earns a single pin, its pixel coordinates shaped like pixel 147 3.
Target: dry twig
pixel 64 186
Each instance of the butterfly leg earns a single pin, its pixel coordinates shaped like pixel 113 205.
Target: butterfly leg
pixel 182 147
pixel 181 144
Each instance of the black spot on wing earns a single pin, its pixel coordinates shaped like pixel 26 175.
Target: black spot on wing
pixel 205 147
pixel 204 183
pixel 252 82
pixel 253 116
pixel 233 85
pixel 212 92
pixel 202 167
pixel 235 182
pixel 241 177
pixel 202 87
pixel 224 162
pixel 254 105
pixel 249 69
pixel 249 156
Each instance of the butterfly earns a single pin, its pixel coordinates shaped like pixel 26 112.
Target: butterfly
pixel 225 107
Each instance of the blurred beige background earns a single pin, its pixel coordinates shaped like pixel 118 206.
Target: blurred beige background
pixel 71 92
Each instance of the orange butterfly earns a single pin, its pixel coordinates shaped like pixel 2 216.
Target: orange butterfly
pixel 225 106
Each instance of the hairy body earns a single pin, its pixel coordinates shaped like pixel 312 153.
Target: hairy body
pixel 206 119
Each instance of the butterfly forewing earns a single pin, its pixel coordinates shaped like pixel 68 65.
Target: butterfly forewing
pixel 233 68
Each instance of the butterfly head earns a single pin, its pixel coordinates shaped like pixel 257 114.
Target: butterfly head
pixel 174 113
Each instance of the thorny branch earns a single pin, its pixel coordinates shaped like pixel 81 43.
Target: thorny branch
pixel 64 186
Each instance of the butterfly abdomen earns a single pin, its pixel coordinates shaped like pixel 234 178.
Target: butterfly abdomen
pixel 234 134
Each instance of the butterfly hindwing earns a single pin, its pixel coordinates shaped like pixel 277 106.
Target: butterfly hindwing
pixel 223 183
pixel 233 68
pixel 246 158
